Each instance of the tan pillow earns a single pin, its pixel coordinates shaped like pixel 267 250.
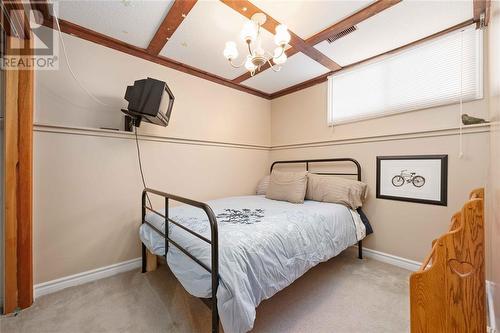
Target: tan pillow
pixel 347 192
pixel 263 185
pixel 287 186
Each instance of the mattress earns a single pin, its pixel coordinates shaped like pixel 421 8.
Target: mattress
pixel 264 245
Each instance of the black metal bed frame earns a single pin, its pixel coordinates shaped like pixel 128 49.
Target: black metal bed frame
pixel 307 162
pixel 214 241
pixel 214 244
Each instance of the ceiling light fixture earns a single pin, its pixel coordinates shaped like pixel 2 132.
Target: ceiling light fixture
pixel 257 56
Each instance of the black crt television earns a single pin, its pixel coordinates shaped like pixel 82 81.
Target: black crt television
pixel 150 100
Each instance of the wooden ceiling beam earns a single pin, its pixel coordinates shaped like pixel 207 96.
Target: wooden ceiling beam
pixel 247 9
pixel 323 77
pixel 354 19
pixel 101 39
pixel 171 22
pixel 480 7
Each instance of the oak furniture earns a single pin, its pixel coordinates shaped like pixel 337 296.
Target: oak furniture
pixel 447 293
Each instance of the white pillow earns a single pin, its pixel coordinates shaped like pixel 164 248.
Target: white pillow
pixel 263 185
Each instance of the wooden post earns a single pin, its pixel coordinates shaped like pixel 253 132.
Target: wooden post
pixel 25 183
pixel 18 272
pixel 10 190
pixel 152 261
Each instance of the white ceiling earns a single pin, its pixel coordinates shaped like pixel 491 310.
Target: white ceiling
pixel 401 24
pixel 134 22
pixel 306 18
pixel 200 39
pixel 297 69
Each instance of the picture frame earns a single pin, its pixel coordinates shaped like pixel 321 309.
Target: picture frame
pixel 413 178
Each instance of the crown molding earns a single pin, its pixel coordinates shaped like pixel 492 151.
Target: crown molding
pixel 118 45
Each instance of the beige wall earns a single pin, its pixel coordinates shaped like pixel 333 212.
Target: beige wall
pixel 87 183
pixel 301 118
pixel 202 110
pixel 402 229
pixel 87 193
pixel 493 191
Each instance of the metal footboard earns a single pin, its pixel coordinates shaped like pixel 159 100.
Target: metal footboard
pixel 214 244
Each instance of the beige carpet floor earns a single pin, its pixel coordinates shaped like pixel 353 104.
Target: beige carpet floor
pixel 344 294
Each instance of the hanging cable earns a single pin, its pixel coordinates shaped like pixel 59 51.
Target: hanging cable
pixel 140 165
pixel 461 145
pixel 97 100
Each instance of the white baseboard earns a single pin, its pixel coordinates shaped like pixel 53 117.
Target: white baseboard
pixel 84 277
pixel 408 264
pixel 103 272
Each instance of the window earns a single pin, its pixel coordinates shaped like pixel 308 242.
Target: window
pixel 435 73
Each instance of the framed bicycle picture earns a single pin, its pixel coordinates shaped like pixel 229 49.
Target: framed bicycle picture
pixel 413 178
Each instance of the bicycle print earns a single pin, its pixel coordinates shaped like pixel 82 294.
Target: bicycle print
pixel 408 178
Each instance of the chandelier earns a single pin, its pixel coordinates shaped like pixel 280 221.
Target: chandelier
pixel 257 57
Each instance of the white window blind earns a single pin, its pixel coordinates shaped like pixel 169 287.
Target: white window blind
pixel 434 73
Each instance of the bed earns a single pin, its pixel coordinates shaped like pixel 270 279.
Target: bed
pixel 238 251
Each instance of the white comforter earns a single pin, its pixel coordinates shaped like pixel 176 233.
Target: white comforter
pixel 264 245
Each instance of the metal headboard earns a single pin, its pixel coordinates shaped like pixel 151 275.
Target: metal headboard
pixel 308 162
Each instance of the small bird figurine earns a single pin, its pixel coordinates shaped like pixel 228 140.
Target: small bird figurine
pixel 468 120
